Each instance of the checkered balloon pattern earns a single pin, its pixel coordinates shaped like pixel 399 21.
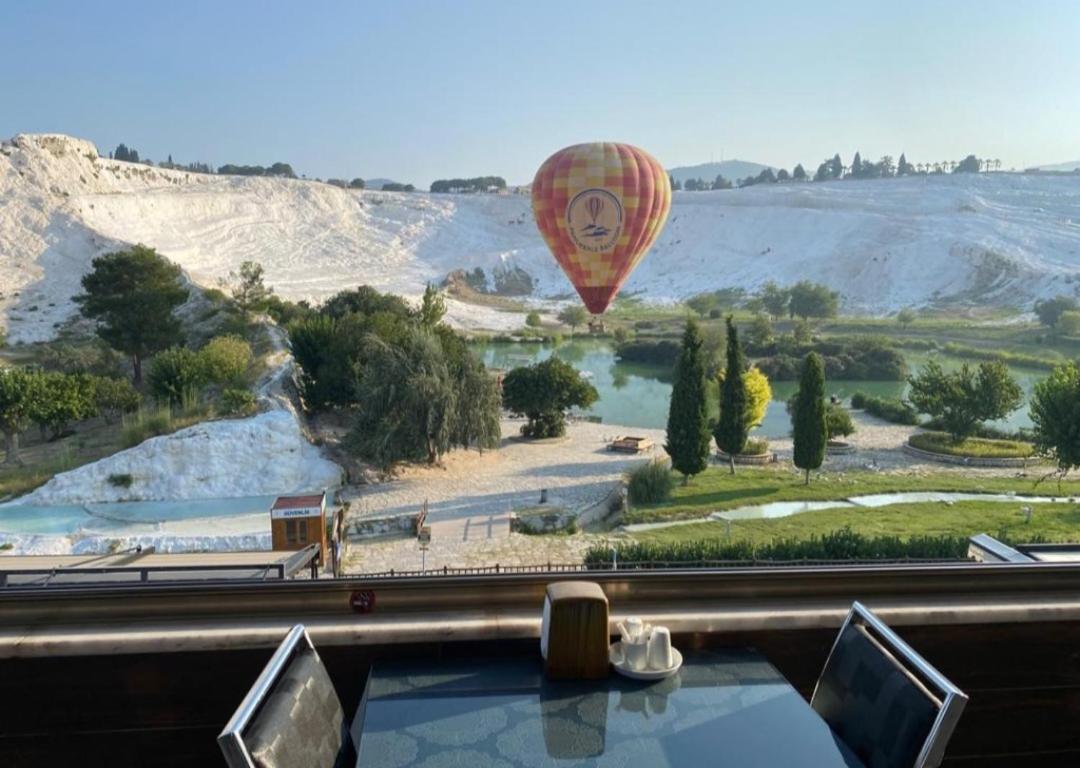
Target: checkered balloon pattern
pixel 600 207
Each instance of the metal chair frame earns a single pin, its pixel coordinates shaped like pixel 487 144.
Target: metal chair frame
pixel 952 699
pixel 231 739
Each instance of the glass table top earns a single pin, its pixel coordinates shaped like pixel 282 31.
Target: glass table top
pixel 720 709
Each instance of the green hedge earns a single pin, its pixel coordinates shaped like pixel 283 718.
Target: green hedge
pixel 843 544
pixel 940 442
pixel 889 409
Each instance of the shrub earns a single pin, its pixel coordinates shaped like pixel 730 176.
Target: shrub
pixel 238 402
pixel 533 319
pixel 755 446
pixel 843 544
pixel 838 421
pixel 225 360
pixel 942 442
pixel 115 397
pixel 120 481
pixel 650 483
pixel 175 372
pixel 889 409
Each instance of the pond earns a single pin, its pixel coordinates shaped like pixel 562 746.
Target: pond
pixel 637 395
pixel 195 524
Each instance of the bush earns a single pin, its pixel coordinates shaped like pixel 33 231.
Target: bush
pixel 838 421
pixel 843 544
pixel 755 446
pixel 650 483
pixel 533 319
pixel 174 373
pixel 978 447
pixel 238 402
pixel 889 409
pixel 120 481
pixel 115 397
pixel 225 360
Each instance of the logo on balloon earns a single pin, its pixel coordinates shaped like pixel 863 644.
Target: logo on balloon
pixel 594 218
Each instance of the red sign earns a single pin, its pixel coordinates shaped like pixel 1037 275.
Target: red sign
pixel 362 601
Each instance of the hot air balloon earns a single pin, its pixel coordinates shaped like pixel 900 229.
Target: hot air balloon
pixel 600 207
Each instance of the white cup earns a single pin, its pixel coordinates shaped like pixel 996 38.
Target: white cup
pixel 659 649
pixel 636 654
pixel 634 628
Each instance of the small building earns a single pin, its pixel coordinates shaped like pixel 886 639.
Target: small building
pixel 296 521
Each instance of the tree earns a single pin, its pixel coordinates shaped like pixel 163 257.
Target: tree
pixel 732 428
pixel 801 333
pixel 533 319
pixel 810 430
pixel 543 392
pixel 114 397
pixel 965 398
pixel 175 374
pixel 799 174
pixel 969 164
pixel 19 390
pixel 783 175
pixel 761 331
pixel 248 289
pixel 478 406
pixel 62 399
pixel 720 182
pixel 1049 311
pixel 836 167
pixel 812 300
pixel 405 401
pixel 432 307
pixel 676 185
pixel 775 299
pixel 132 294
pixel 1055 414
pixel 903 167
pixel 688 422
pixel 573 315
pixel 758 396
pixel 905 317
pixel 856 166
pixel 1069 323
pixel 357 183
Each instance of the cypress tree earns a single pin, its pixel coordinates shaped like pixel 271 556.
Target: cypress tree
pixel 688 425
pixel 810 432
pixel 732 427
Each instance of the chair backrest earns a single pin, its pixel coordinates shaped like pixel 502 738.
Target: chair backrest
pixel 291 717
pixel 883 699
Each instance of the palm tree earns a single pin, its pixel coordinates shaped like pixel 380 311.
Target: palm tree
pixel 997 164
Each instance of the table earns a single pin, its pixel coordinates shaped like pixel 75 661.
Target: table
pixel 728 708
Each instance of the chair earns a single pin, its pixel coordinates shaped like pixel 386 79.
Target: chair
pixel 291 717
pixel 883 700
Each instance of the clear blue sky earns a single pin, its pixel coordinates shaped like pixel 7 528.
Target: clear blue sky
pixel 422 90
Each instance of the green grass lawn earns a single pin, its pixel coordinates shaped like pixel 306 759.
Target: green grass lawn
pixel 939 442
pixel 1050 522
pixel 716 489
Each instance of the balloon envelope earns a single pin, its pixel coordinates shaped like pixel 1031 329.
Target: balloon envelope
pixel 600 207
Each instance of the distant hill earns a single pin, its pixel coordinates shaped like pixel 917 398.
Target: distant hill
pixel 1066 167
pixel 730 169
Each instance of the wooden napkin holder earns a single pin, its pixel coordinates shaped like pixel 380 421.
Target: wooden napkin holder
pixel 574 635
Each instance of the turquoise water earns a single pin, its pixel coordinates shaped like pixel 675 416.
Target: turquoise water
pixel 636 395
pixel 122 517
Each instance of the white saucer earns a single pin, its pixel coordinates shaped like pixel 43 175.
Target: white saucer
pixel 618 660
